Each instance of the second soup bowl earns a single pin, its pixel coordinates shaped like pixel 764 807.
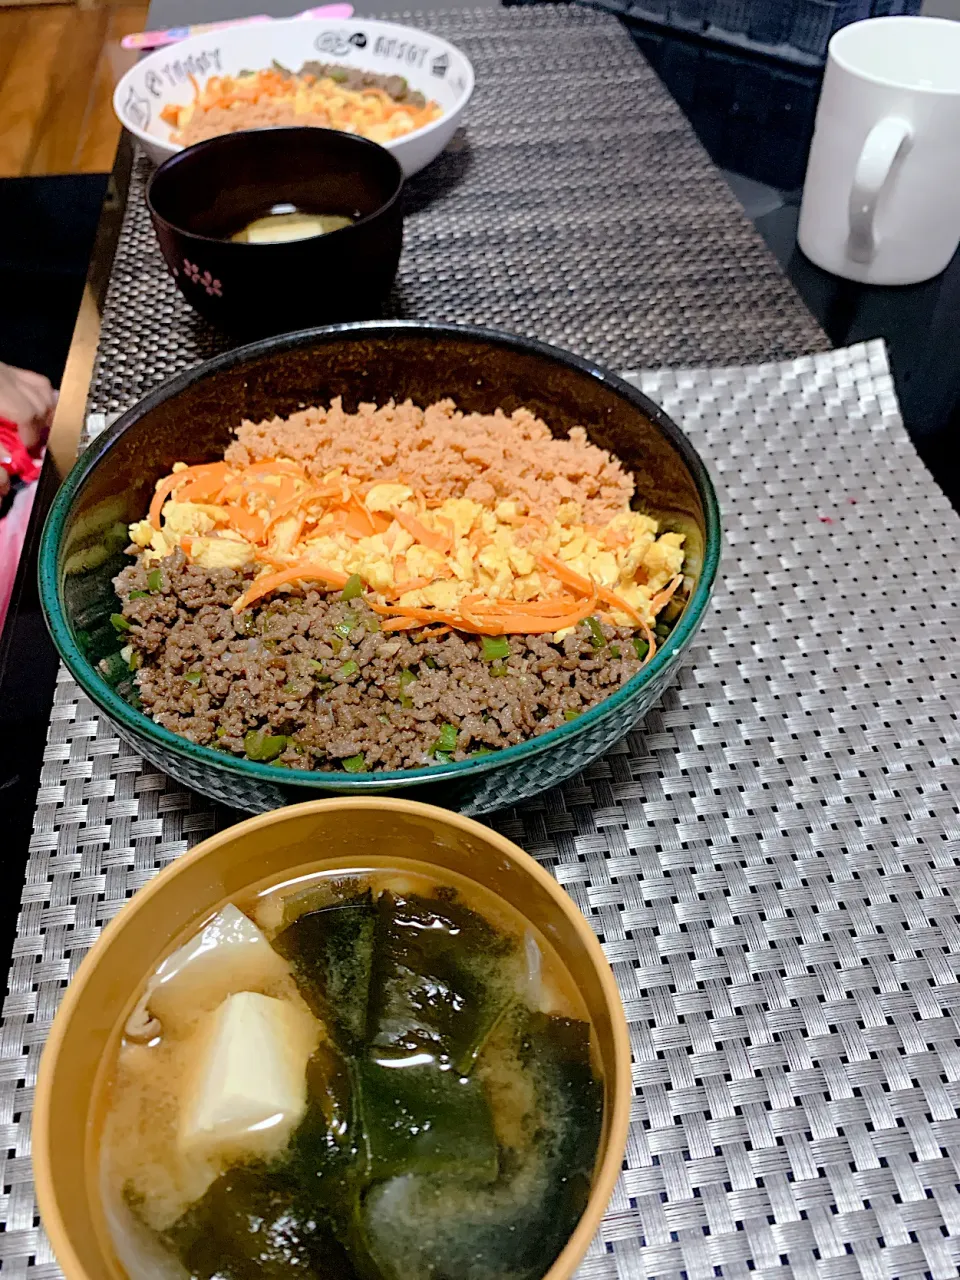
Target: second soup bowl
pixel 202 196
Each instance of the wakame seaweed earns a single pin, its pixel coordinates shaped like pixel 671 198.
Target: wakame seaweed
pixel 252 1224
pixel 422 1120
pixel 419 1228
pixel 438 983
pixel 331 953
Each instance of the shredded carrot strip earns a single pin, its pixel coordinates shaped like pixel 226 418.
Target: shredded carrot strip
pixel 399 624
pixel 362 512
pixel 569 577
pixel 354 522
pixel 553 606
pixel 513 618
pixel 401 588
pixel 416 529
pixel 579 583
pixel 651 640
pixel 664 596
pixel 163 491
pixel 297 572
pixel 610 597
pixel 249 526
pixel 206 484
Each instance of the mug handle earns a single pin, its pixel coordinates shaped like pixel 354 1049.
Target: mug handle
pixel 883 146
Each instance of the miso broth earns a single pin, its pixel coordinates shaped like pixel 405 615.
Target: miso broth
pixel 351 1075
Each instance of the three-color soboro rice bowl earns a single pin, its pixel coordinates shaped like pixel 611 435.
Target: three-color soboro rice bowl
pixel 391 588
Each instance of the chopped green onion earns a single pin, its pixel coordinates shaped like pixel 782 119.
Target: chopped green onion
pixel 372 624
pixel 349 669
pixel 384 719
pixel 614 651
pixel 355 764
pixel 221 731
pixel 336 644
pixel 641 647
pixel 315 665
pixel 597 638
pixel 346 626
pixel 482 751
pixel 447 740
pixel 570 714
pixel 442 757
pixel 138 595
pixel 498 668
pixel 430 662
pixel 194 676
pixel 262 746
pixel 661 630
pixel 119 622
pixel 494 647
pixel 407 678
pixel 291 689
pixel 155 580
pixel 352 588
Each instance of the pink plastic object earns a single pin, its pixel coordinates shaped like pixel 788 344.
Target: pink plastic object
pixel 157 39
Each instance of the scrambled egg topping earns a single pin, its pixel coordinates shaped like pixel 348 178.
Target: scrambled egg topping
pixel 440 554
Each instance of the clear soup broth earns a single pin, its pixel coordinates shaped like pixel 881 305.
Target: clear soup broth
pixel 352 1075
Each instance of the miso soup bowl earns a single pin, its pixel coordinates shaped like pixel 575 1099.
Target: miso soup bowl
pixel 342 832
pixel 200 196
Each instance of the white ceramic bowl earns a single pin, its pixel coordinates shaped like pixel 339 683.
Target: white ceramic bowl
pixel 433 66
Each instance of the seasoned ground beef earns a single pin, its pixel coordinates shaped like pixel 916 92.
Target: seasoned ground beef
pixel 310 681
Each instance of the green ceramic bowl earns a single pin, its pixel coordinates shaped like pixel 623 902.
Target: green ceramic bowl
pixel 190 418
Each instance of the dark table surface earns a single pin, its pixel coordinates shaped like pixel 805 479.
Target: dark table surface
pixel 918 323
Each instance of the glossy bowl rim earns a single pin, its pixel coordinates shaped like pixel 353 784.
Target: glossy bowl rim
pixel 140 724
pixel 621 1090
pixel 173 148
pixel 170 164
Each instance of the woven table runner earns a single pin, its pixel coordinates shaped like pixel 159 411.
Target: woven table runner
pixel 575 206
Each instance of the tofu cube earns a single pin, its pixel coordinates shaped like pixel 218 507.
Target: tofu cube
pixel 246 1090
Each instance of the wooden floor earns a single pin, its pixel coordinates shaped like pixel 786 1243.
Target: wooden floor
pixel 58 68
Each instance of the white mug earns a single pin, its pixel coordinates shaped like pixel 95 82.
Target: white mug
pixel 881 201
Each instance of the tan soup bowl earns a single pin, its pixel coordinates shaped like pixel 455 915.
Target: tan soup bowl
pixel 85 1034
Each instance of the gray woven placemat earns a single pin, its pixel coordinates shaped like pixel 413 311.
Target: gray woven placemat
pixel 771 860
pixel 576 206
